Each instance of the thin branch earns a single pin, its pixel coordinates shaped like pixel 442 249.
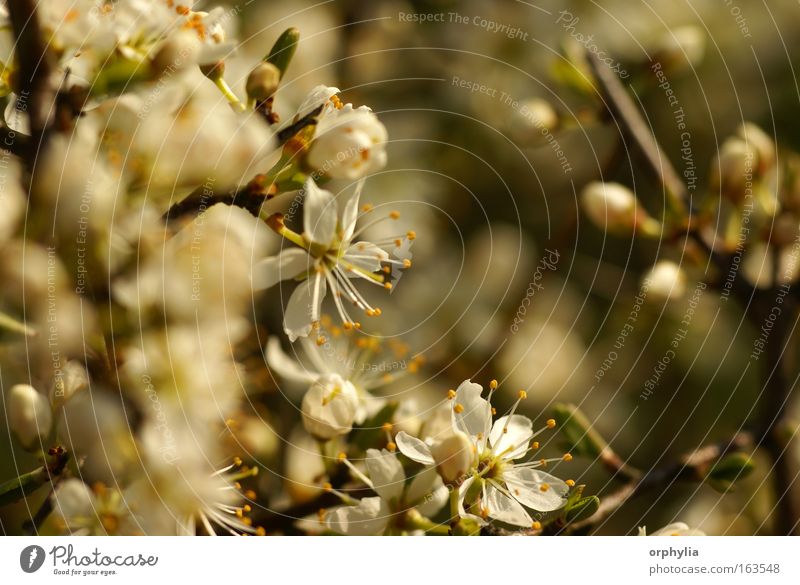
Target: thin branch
pixel 692 466
pixel 625 112
pixel 34 71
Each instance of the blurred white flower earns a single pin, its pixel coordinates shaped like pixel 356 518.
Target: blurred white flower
pixel 29 415
pixel 386 513
pixel 184 492
pixel 674 529
pixel 665 281
pixel 97 511
pixel 327 256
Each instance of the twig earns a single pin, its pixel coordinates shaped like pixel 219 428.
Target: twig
pixel 34 71
pixel 777 390
pixel 622 107
pixel 692 466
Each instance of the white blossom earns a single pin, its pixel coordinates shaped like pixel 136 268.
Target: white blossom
pixel 496 485
pixel 348 143
pixel 386 512
pixel 29 415
pixel 673 529
pixel 327 255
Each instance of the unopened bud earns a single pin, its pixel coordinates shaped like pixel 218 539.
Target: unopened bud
pixel 29 415
pixel 453 456
pixel 535 116
pixel 614 207
pixel 263 81
pixel 732 172
pixel 665 281
pixel 214 71
pixel 682 48
pixel 760 142
pixel 177 52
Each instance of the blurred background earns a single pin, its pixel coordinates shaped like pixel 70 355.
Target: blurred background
pixel 490 143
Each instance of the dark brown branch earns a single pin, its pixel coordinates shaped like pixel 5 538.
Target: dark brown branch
pixel 693 466
pixel 34 69
pixel 627 115
pixel 14 142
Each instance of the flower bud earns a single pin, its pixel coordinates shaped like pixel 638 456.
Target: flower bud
pixel 760 143
pixel 682 48
pixel 263 81
pixel 29 415
pixel 614 207
pixel 732 172
pixel 329 407
pixel 665 281
pixel 349 143
pixel 535 116
pixel 71 380
pixel 178 52
pixel 453 456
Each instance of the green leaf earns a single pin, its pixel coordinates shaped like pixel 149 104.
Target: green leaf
pixel 15 489
pixel 577 431
pixel 283 50
pixel 9 324
pixel 728 470
pixel 582 509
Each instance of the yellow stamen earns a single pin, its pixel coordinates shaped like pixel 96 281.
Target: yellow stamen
pixel 551 423
pixel 458 408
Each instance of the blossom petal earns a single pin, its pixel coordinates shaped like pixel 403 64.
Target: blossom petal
pixel 427 492
pixel 510 436
pixel 366 256
pixel 525 484
pixel 304 307
pixel 73 499
pixel 506 509
pixel 350 213
pixel 475 416
pixel 318 96
pixel 290 263
pixel 413 448
pixel 462 493
pixel 369 517
pixel 674 529
pixel 286 367
pixel 386 474
pixel 319 214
